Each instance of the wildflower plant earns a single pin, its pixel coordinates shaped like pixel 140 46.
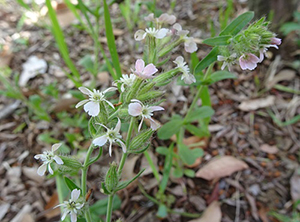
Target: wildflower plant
pixel 139 100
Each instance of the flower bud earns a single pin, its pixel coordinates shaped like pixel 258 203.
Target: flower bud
pixel 134 89
pixel 71 163
pixel 165 77
pixel 112 179
pixel 150 95
pixel 141 139
pixel 146 87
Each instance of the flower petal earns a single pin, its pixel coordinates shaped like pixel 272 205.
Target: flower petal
pixel 122 145
pixel 161 33
pixel 149 70
pixel 110 148
pixel 155 108
pixel 149 18
pixel 109 103
pixel 118 126
pixel 110 89
pixel 242 63
pixel 92 108
pixel 58 160
pixel 55 146
pixel 177 27
pixel 135 109
pixel 100 141
pixel 50 169
pixel 153 124
pixel 188 78
pixel 75 194
pixel 64 214
pixel 81 103
pixel 38 156
pixel 190 46
pixel 140 35
pixel 85 90
pixel 139 65
pixel 42 169
pixel 73 216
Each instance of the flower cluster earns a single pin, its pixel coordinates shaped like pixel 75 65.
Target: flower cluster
pixel 160 33
pixel 248 48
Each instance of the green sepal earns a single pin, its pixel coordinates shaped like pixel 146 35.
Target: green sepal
pixel 71 185
pixel 124 184
pixel 146 87
pixel 71 163
pixel 133 90
pixel 112 178
pixel 139 151
pixel 104 190
pixel 150 95
pixel 139 140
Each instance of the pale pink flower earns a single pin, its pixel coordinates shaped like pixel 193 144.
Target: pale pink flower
pixel 163 18
pixel 137 108
pixel 227 61
pixel 126 81
pixel 92 105
pixel 189 43
pixel 249 61
pixel 275 41
pixel 144 72
pixel 187 77
pixel 48 157
pixel 157 33
pixel 71 206
pixel 111 135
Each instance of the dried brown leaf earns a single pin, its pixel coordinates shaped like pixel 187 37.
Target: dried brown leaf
pixel 211 214
pixel 269 149
pixel 295 188
pixel 221 167
pixel 255 104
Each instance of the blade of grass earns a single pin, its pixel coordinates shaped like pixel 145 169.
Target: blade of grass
pixel 62 46
pixel 111 41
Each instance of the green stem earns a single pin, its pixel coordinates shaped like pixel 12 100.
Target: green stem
pixel 208 72
pixel 109 207
pixel 155 172
pixel 84 177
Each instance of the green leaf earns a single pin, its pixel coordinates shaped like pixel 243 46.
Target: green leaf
pixel 162 150
pixel 99 208
pixel 288 27
pixel 178 172
pixel 62 46
pixel 71 185
pixel 221 75
pixel 87 63
pixel 219 40
pixel 189 173
pixel 188 155
pixel 209 59
pixel 111 40
pixel 200 113
pixel 124 184
pixel 91 127
pixel 169 129
pixel 162 211
pixel 198 131
pixel 238 24
pixel 167 170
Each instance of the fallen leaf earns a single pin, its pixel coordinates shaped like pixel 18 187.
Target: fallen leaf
pixel 221 167
pixel 283 75
pixel 295 188
pixel 5 56
pixel 211 214
pixel 31 173
pixel 31 68
pixel 4 209
pixel 128 169
pixel 252 202
pixel 22 213
pixel 257 103
pixel 269 149
pixel 50 211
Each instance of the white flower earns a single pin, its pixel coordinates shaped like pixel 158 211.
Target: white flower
pixel 189 43
pixel 92 105
pixel 157 33
pixel 163 18
pixel 125 80
pixel 137 108
pixel 48 157
pixel 71 206
pixel 227 61
pixel 187 77
pixel 112 135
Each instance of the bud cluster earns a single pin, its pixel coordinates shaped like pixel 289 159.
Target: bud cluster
pixel 249 46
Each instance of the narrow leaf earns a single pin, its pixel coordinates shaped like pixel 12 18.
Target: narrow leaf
pixel 209 59
pixel 238 24
pixel 219 40
pixel 221 75
pixel 71 185
pixel 167 170
pixel 124 184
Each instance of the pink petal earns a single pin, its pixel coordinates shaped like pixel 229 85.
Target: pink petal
pixel 100 141
pixel 139 65
pixel 153 124
pixel 251 65
pixel 75 194
pixel 149 70
pixel 135 109
pixel 92 108
pixel 276 41
pixel 252 58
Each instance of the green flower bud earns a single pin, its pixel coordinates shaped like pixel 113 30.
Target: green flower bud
pixel 112 179
pixel 133 90
pixel 146 87
pixel 165 77
pixel 150 95
pixel 123 113
pixel 71 163
pixel 141 139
